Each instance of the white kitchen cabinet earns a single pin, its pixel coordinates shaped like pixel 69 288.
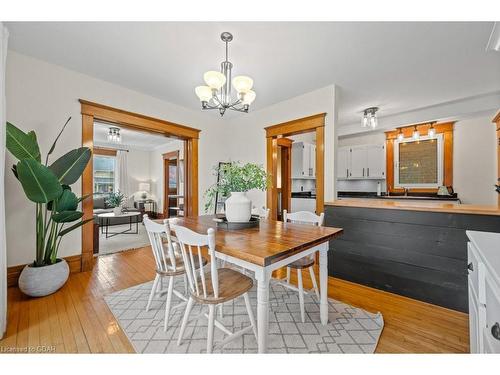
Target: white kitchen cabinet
pixel 361 162
pixel 484 291
pixel 303 160
pixel 343 163
pixel 358 162
pixel 375 161
pixel 303 204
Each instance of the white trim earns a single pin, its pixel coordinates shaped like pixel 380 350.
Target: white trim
pixel 4 36
pixel 440 171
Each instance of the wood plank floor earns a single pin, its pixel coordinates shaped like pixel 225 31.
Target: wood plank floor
pixel 77 320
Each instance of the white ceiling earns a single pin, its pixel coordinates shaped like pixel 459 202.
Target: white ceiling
pixel 396 66
pixel 131 139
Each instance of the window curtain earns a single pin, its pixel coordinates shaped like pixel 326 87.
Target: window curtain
pixel 4 35
pixel 121 173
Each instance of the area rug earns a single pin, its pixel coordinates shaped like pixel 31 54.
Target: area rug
pixel 123 241
pixel 350 329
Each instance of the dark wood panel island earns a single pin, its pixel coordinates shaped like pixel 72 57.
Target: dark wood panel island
pixel 415 249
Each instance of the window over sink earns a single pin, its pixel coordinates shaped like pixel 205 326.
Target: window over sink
pixel 419 163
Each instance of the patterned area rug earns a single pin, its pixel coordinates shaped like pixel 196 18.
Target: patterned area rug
pixel 350 330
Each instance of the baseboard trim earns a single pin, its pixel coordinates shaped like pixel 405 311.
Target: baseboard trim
pixel 74 263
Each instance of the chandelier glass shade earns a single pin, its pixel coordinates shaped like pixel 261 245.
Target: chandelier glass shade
pixel 114 135
pixel 369 119
pixel 217 92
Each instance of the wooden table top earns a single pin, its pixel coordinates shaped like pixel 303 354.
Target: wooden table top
pixel 268 243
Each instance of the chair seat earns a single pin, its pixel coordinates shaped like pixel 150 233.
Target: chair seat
pixel 179 266
pixel 232 284
pixel 302 263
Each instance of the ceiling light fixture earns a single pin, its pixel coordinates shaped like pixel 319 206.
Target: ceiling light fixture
pixel 369 119
pixel 416 133
pixel 217 93
pixel 114 135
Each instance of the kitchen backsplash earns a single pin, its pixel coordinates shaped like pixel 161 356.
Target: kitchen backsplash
pixel 303 185
pixel 360 185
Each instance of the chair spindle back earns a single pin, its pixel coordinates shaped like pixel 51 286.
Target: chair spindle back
pixel 304 217
pixel 165 260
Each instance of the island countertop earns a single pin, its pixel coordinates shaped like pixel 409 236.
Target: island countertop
pixel 428 206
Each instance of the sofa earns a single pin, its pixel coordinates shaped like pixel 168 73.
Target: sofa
pixel 100 207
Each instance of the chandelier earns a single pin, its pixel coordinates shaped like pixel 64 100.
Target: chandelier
pixel 217 93
pixel 369 119
pixel 114 135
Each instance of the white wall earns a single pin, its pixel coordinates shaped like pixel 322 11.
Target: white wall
pixel 474 160
pixel 41 96
pixel 246 138
pixel 139 168
pixel 156 169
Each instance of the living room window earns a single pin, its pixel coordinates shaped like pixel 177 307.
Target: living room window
pixel 104 174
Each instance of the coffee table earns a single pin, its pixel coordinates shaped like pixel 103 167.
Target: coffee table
pixel 131 215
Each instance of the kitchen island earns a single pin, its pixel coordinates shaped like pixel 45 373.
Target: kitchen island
pixel 413 248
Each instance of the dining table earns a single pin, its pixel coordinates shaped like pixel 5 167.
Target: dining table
pixel 265 248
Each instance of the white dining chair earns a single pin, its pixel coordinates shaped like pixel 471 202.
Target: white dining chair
pixel 211 287
pixel 307 218
pixel 261 212
pixel 169 264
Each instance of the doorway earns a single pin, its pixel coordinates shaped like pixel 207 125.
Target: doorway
pixel 173 185
pixel 274 153
pixel 94 112
pixel 284 175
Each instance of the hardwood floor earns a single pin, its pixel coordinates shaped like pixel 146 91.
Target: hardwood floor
pixel 77 320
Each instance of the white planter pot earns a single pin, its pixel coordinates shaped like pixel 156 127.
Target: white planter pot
pixel 238 208
pixel 42 281
pixel 117 211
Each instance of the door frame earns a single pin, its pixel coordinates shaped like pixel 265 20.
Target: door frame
pixel 94 111
pixel 308 124
pixel 285 149
pixel 166 158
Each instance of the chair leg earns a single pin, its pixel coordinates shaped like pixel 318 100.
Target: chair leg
pixel 153 291
pixel 189 306
pixel 301 295
pixel 315 284
pixel 250 314
pixel 221 312
pixel 288 275
pixel 169 301
pixel 186 285
pixel 210 333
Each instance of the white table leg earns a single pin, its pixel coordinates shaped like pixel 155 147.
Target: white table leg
pixel 263 276
pixel 323 283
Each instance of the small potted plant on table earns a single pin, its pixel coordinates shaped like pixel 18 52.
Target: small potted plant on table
pixel 115 200
pixel 48 186
pixel 235 179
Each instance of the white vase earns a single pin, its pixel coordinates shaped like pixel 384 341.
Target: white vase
pixel 117 210
pixel 238 208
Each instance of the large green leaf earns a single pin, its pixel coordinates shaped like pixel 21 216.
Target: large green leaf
pixel 67 201
pixel 69 167
pixel 67 216
pixel 74 226
pixel 39 183
pixel 22 145
pixel 52 148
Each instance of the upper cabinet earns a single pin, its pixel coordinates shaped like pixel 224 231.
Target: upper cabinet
pixel 303 160
pixel 361 162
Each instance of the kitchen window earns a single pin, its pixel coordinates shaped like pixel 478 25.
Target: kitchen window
pixel 104 174
pixel 418 163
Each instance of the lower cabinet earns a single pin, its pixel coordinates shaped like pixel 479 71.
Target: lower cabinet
pixel 484 292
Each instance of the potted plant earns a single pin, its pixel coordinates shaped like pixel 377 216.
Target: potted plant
pixel 115 200
pixel 235 179
pixel 48 186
